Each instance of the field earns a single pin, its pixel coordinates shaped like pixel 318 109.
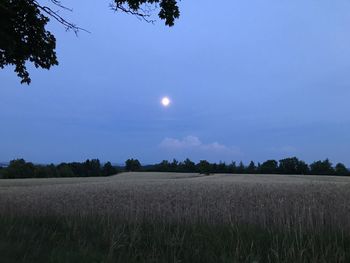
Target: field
pixel 167 217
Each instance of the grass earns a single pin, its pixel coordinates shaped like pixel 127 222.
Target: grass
pixel 164 217
pixel 72 239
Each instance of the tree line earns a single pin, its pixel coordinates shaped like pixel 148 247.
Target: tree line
pixel 90 168
pixel 93 168
pixel 284 166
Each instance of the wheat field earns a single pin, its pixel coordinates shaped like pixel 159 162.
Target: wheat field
pixel 283 201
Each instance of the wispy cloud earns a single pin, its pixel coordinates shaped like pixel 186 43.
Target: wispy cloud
pixel 193 143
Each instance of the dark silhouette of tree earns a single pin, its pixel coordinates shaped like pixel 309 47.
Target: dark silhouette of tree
pixel 302 168
pixel 232 168
pixel 322 168
pixel 251 169
pixel 108 169
pixel 45 171
pixel 340 169
pixel 25 38
pixel 204 167
pixel 169 11
pixel 258 168
pixel 163 166
pixel 92 167
pixel 221 168
pixel 188 166
pixel 78 169
pixel 240 168
pixel 269 167
pixel 65 170
pixel 19 169
pixel 213 168
pixel 292 166
pixel 132 165
pixel 174 165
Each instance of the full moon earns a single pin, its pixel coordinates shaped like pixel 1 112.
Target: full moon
pixel 165 101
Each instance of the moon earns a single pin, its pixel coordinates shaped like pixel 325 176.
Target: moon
pixel 165 101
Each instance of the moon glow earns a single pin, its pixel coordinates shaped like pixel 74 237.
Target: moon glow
pixel 165 101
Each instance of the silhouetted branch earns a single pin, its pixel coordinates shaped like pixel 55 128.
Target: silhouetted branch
pixel 143 16
pixel 54 14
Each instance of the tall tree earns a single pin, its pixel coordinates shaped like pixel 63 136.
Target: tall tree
pixel 163 166
pixel 108 169
pixel 174 165
pixel 251 169
pixel 292 166
pixel 25 38
pixel 241 168
pixel 322 167
pixel 221 168
pixel 232 167
pixel 20 169
pixel 204 167
pixel 188 166
pixel 269 167
pixel 132 165
pixel 340 169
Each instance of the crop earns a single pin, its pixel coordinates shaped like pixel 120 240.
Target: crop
pixel 293 212
pixel 308 202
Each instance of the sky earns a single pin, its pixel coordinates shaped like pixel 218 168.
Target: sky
pixel 247 80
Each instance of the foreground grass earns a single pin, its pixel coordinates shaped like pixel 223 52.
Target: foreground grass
pixel 72 239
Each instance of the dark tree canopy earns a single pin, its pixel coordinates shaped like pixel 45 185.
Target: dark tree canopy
pixel 340 169
pixel 322 167
pixel 90 168
pixel 269 167
pixel 132 165
pixel 204 167
pixel 24 37
pixel 169 11
pixel 293 166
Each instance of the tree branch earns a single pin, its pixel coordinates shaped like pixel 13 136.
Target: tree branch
pixel 142 16
pixel 54 14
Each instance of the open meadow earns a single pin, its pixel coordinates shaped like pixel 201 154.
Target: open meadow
pixel 173 217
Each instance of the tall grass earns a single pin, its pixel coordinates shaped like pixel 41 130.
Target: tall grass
pixel 102 239
pixel 165 218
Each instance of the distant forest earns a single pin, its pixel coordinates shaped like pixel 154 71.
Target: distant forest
pixel 93 168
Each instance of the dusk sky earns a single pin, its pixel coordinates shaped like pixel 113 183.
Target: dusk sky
pixel 247 80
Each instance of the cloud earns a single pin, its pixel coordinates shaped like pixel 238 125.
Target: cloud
pixel 193 143
pixel 187 142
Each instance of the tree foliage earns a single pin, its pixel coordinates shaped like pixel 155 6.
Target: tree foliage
pixel 108 169
pixel 251 169
pixel 21 169
pixel 25 38
pixel 340 169
pixel 293 166
pixel 322 167
pixel 290 165
pixel 204 167
pixel 132 165
pixel 169 10
pixel 269 167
